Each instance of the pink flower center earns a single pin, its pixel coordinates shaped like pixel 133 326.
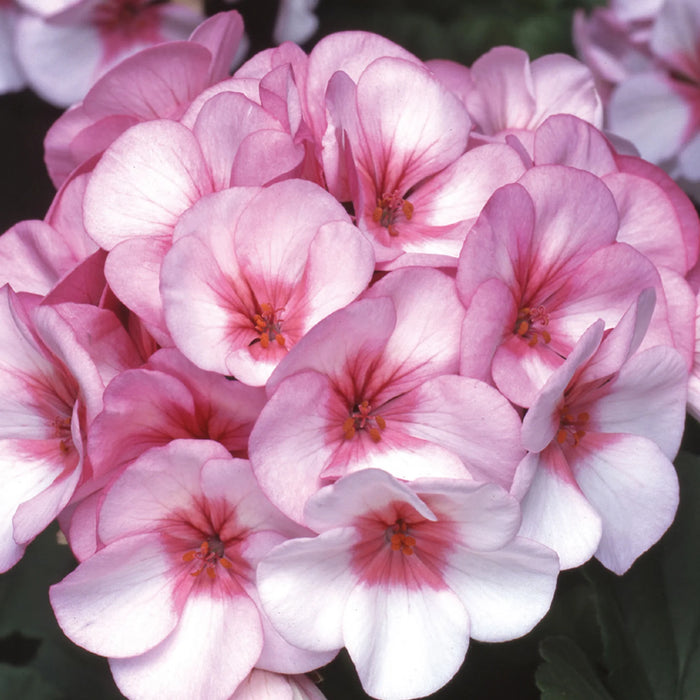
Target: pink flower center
pixel 571 429
pixel 399 539
pixel 268 324
pixel 390 207
pixel 531 323
pixel 360 418
pixel 210 553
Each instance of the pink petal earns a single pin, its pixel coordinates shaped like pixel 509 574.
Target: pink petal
pixel 304 585
pixel 507 591
pixel 646 110
pixel 634 488
pixel 405 643
pixel 146 179
pixel 117 589
pixel 450 411
pixel 646 398
pixel 557 514
pixel 223 627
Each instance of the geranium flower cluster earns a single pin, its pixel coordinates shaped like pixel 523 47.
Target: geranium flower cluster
pixel 646 60
pixel 346 350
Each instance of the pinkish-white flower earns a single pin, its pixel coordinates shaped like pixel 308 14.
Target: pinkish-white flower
pixel 375 385
pixel 252 270
pixel 602 433
pixel 184 528
pixel 402 574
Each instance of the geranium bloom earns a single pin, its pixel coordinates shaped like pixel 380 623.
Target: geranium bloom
pixel 539 266
pixel 56 362
pixel 602 434
pixel 64 47
pixel 375 385
pixel 650 58
pixel 157 170
pixel 403 575
pixel 184 528
pixel 250 272
pixel 159 82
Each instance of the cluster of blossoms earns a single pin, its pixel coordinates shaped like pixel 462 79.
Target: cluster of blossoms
pixel 59 48
pixel 645 56
pixel 346 350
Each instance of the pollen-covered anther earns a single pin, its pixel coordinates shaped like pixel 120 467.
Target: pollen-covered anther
pixel 390 207
pixel 361 418
pixel 571 429
pixel 399 540
pixel 210 553
pixel 530 325
pixel 268 324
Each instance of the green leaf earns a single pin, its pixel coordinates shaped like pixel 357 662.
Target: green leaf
pixel 25 683
pixel 567 673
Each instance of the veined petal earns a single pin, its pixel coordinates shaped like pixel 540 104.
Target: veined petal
pixel 223 626
pixel 646 398
pixel 144 181
pixel 118 588
pixel 634 488
pixel 304 585
pixel 557 514
pixel 507 591
pixel 405 642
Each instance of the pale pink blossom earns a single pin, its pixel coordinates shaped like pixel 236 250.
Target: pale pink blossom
pixel 411 184
pixel 251 270
pixel 376 385
pixel 63 48
pixel 56 362
pixel 602 434
pixel 649 62
pixel 184 528
pixel 157 82
pixel 403 574
pixel 156 170
pixel 505 93
pixel 541 265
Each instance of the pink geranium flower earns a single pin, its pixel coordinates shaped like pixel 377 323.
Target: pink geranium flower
pixel 184 528
pixel 158 82
pixel 648 60
pixel 250 272
pixel 539 266
pixel 157 170
pixel 56 362
pixel 64 47
pixel 403 574
pixel 602 434
pixel 376 385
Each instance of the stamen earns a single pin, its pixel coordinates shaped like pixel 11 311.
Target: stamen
pixel 390 208
pixel 571 429
pixel 361 418
pixel 268 324
pixel 210 553
pixel 530 323
pixel 398 540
